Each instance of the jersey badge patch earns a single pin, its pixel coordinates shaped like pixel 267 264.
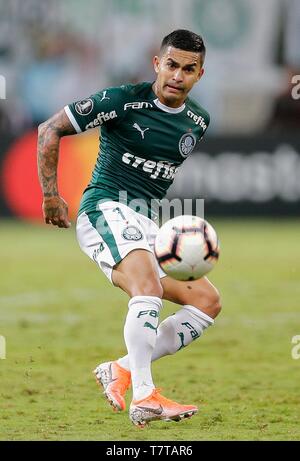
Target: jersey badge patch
pixel 186 144
pixel 132 233
pixel 84 107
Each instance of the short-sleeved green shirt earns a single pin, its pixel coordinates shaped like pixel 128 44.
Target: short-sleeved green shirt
pixel 142 142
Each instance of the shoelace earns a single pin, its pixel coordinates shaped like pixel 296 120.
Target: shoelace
pixel 161 398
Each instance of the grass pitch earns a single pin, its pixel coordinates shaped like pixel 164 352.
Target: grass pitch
pixel 61 317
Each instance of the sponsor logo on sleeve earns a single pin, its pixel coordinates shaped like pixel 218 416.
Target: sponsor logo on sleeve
pixel 102 117
pixel 84 107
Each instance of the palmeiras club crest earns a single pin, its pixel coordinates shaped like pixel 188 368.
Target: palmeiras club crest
pixel 132 233
pixel 186 144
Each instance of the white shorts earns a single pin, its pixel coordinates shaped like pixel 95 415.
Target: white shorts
pixel 108 234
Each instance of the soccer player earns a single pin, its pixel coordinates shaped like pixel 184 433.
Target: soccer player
pixel 147 130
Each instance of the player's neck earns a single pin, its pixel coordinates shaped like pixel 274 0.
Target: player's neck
pixel 164 101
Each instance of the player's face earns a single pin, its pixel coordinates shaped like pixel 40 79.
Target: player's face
pixel 177 72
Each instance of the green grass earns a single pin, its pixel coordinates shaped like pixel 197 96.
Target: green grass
pixel 61 317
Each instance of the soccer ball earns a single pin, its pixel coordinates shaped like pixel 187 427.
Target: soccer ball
pixel 187 247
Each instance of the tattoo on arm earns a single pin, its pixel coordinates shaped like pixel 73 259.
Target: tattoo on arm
pixel 49 134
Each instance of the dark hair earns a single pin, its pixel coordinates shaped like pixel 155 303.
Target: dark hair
pixel 184 40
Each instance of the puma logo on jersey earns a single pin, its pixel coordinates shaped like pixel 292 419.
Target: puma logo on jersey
pixel 104 96
pixel 137 127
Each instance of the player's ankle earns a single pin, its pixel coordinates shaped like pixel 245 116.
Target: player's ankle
pixel 123 363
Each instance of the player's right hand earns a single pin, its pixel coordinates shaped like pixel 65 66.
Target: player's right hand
pixel 55 211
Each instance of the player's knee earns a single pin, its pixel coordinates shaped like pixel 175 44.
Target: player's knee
pixel 213 302
pixel 209 302
pixel 217 307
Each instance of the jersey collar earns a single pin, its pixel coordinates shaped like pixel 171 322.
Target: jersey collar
pixel 170 110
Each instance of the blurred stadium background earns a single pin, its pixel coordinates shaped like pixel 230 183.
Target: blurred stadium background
pixel 248 167
pixel 55 52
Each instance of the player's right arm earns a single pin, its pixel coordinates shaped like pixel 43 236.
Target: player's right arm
pixel 55 209
pixel 102 108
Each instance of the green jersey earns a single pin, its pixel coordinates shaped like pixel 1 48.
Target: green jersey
pixel 142 142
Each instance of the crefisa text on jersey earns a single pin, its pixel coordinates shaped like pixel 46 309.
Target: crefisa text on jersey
pixel 101 118
pixel 197 119
pixel 153 450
